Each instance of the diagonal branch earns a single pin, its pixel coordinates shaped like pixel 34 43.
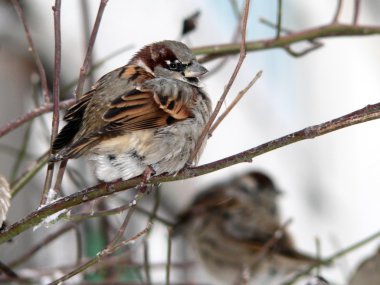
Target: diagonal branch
pixel 218 106
pixel 86 64
pixel 368 113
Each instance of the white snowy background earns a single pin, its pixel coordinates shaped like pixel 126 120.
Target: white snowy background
pixel 331 184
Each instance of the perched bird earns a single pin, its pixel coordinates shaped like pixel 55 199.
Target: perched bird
pixel 368 272
pixel 236 231
pixel 146 115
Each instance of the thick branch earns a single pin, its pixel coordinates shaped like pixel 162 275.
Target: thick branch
pixel 368 113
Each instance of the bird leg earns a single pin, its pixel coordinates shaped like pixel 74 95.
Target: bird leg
pixel 148 172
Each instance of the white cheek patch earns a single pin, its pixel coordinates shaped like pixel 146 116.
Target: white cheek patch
pixel 143 65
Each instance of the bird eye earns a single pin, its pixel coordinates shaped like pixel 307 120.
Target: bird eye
pixel 175 66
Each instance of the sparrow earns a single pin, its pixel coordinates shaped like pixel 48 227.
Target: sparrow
pixel 235 230
pixel 146 115
pixel 368 272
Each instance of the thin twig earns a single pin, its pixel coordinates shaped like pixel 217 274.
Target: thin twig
pixel 234 102
pixel 50 238
pixel 337 12
pixel 25 177
pixel 56 86
pixel 107 251
pixel 368 113
pixel 218 106
pixel 335 256
pixel 78 238
pixel 235 9
pixel 279 19
pixel 86 62
pixel 147 263
pixel 45 108
pixel 57 68
pixel 123 226
pixel 269 244
pixel 326 31
pixel 315 44
pixel 356 12
pixel 7 271
pixel 235 37
pixel 58 181
pixel 32 49
pixel 169 256
pixel 87 33
pixel 21 153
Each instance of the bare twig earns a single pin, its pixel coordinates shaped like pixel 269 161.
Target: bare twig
pixel 169 256
pixel 7 271
pixel 56 86
pixel 32 49
pixel 86 62
pixel 25 177
pixel 57 68
pixel 41 245
pixel 315 45
pixel 87 33
pixel 335 256
pixel 45 108
pixel 58 181
pixel 147 263
pixel 218 106
pixel 234 102
pixel 337 12
pixel 120 232
pixel 21 153
pixel 107 251
pixel 368 113
pixel 269 244
pixel 356 12
pixel 235 9
pixel 279 18
pixel 326 31
pixel 235 37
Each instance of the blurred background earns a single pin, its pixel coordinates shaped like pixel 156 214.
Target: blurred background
pixel 331 183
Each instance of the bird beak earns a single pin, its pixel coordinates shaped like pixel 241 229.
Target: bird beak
pixel 194 69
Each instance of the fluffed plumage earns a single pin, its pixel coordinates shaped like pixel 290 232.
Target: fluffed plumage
pixel 148 113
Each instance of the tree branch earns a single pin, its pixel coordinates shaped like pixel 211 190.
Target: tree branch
pixel 84 69
pixel 368 113
pixel 326 31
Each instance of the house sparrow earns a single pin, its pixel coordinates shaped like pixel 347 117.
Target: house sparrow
pixel 368 272
pixel 234 227
pixel 147 114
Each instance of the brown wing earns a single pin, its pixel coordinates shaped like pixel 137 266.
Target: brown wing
pixel 208 202
pixel 73 118
pixel 128 110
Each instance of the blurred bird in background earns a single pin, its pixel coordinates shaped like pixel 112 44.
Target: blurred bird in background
pixel 235 229
pixel 368 272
